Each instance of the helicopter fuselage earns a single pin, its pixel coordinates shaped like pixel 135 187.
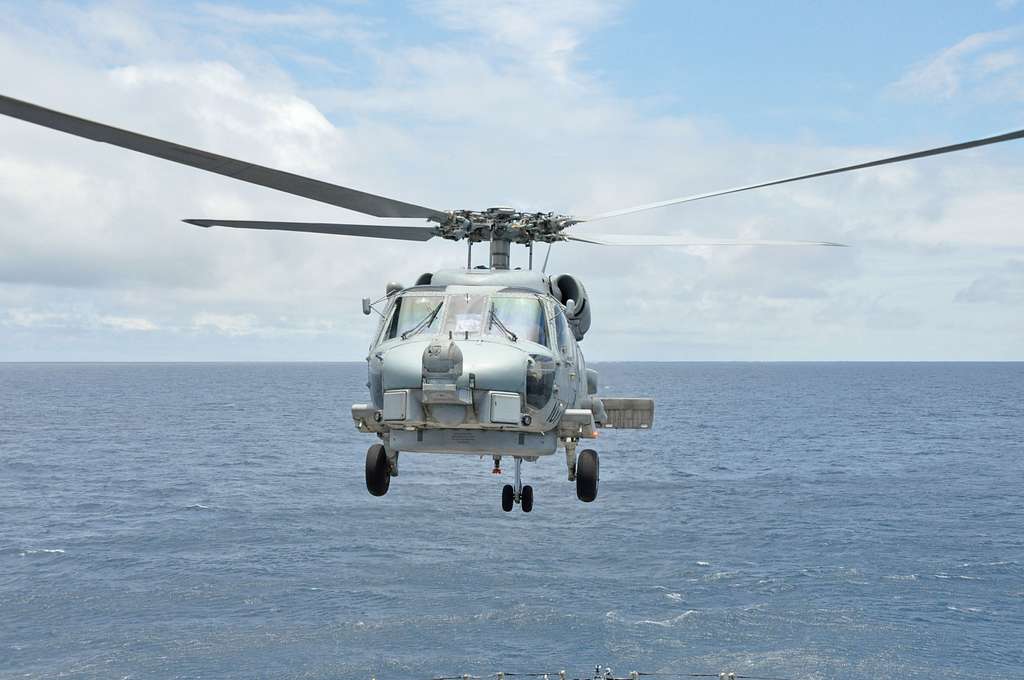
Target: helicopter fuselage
pixel 478 361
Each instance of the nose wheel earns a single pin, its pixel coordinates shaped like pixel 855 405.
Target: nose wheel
pixel 512 494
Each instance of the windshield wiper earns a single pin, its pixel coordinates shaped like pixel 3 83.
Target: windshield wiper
pixel 424 323
pixel 496 321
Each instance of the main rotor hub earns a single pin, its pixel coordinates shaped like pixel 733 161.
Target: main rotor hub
pixel 504 224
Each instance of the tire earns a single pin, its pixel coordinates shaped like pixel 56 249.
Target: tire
pixel 378 473
pixel 507 498
pixel 587 475
pixel 527 500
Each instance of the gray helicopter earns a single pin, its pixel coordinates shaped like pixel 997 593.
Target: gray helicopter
pixel 482 360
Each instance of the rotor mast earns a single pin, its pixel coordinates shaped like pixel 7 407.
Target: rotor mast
pixel 500 249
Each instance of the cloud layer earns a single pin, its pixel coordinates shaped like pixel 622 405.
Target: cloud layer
pixel 496 104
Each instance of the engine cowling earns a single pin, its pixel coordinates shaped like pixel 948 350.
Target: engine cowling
pixel 569 290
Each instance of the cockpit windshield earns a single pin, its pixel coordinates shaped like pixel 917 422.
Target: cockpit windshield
pixel 415 314
pixel 516 317
pixel 519 317
pixel 465 315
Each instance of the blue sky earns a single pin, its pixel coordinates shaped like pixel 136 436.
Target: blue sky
pixel 582 106
pixel 783 71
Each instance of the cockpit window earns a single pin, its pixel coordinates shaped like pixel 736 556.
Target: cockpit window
pixel 518 318
pixel 563 333
pixel 415 314
pixel 465 315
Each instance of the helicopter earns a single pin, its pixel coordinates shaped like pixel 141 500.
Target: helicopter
pixel 478 360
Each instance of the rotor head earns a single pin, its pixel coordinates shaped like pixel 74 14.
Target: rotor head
pixel 503 224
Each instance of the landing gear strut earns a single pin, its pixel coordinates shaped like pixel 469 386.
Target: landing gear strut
pixel 378 470
pixel 511 495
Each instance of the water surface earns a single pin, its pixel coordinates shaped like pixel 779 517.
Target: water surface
pixel 791 520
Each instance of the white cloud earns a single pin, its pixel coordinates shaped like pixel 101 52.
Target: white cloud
pixel 543 34
pixel 75 318
pixel 128 323
pixel 945 74
pixel 1004 285
pixel 310 22
pixel 30 318
pixel 228 324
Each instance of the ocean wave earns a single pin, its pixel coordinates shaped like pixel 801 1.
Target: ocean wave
pixel 41 551
pixel 719 575
pixel 667 623
pixel 615 617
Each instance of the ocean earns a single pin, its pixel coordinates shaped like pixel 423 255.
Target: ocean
pixel 784 520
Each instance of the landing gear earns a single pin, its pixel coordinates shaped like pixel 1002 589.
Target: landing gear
pixel 587 475
pixel 378 470
pixel 570 458
pixel 510 495
pixel 526 499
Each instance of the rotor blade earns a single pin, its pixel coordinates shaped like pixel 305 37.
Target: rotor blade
pixel 658 240
pixel 287 182
pixel 1017 134
pixel 404 233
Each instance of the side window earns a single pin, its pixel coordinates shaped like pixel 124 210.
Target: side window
pixel 564 335
pixel 383 326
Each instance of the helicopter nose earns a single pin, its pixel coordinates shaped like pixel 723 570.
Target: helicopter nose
pixel 442 359
pixel 445 395
pixel 448 382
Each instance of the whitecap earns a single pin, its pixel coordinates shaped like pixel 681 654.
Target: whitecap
pixel 675 597
pixel 703 564
pixel 960 577
pixel 719 575
pixel 41 551
pixel 667 623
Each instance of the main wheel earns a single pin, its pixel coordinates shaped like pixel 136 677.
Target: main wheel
pixel 378 473
pixel 507 497
pixel 527 500
pixel 587 475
